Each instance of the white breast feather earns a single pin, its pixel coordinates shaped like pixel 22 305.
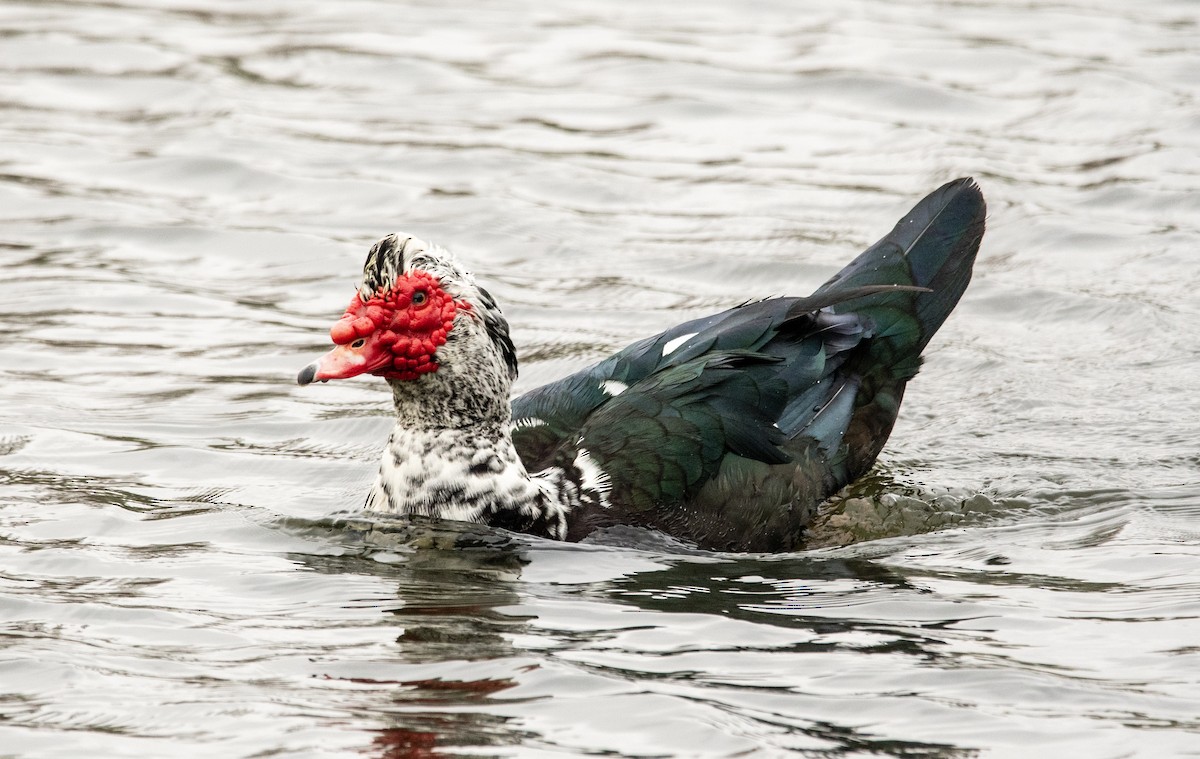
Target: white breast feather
pixel 593 477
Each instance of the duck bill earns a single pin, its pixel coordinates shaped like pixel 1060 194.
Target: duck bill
pixel 344 362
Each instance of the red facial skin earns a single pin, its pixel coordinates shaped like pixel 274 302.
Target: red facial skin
pixel 394 334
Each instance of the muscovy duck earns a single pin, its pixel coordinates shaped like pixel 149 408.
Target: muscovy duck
pixel 726 431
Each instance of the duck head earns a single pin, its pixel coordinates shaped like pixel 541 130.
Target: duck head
pixel 417 314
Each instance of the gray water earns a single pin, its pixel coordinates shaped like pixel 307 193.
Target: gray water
pixel 188 187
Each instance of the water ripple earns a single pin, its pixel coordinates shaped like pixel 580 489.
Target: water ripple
pixel 186 191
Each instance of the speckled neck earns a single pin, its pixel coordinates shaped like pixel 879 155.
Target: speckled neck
pixel 450 399
pixel 451 453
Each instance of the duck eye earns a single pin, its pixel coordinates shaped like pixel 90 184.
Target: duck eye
pixel 419 297
pixel 360 342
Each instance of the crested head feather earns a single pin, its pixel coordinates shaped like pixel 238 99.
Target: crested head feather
pixel 395 255
pixel 399 254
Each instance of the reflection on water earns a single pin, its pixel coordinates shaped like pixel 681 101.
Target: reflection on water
pixel 186 192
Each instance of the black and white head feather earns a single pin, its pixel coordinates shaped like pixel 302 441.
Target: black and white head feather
pixel 399 254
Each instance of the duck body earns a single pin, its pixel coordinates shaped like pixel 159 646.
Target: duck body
pixel 726 431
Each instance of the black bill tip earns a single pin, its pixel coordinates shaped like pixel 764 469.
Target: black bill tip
pixel 307 374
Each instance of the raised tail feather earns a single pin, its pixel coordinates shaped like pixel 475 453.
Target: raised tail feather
pixel 927 258
pixel 932 248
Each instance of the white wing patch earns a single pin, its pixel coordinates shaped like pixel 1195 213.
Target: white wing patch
pixel 528 421
pixel 594 478
pixel 613 387
pixel 673 344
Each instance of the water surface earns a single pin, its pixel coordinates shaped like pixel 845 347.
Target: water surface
pixel 187 190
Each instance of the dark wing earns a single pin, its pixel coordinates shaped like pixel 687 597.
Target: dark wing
pixel 663 438
pixel 548 416
pixel 728 430
pixel 730 447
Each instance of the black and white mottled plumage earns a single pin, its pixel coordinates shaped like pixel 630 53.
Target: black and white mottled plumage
pixel 450 454
pixel 726 431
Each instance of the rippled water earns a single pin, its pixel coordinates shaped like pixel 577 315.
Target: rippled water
pixel 187 190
